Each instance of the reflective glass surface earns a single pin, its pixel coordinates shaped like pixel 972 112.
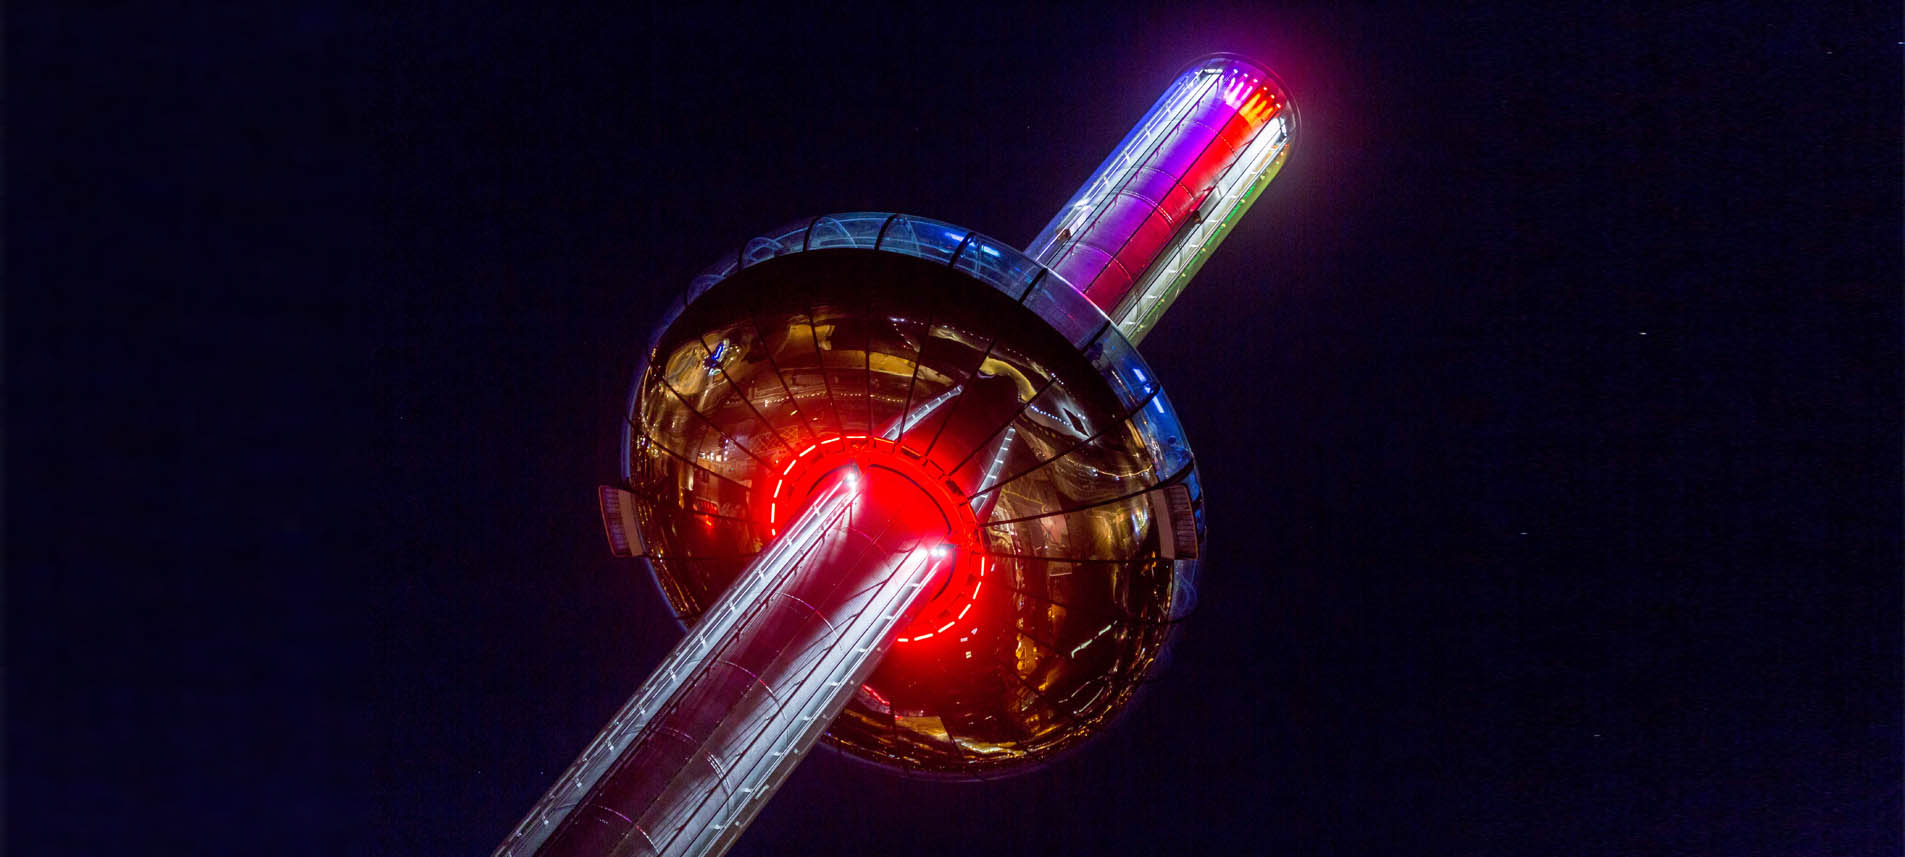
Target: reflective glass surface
pixel 997 265
pixel 853 229
pixel 1041 423
pixel 1067 311
pixel 1139 228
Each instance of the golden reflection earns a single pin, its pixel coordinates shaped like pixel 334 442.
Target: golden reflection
pixel 1052 647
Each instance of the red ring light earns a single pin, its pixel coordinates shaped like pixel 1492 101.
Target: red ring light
pixel 797 478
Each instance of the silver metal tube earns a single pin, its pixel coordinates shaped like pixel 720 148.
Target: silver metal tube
pixel 714 731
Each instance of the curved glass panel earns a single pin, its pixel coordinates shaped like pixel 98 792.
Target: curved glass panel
pixel 897 236
pixel 1066 310
pixel 1113 530
pixel 1183 588
pixel 762 249
pixel 791 238
pixel 999 266
pixel 1115 359
pixel 830 231
pixel 984 258
pixel 674 309
pixel 1021 388
pixel 923 238
pixel 709 390
pixel 745 361
pixel 1105 469
pixel 794 235
pixel 938 241
pixel 1157 423
pixel 852 229
pixel 709 276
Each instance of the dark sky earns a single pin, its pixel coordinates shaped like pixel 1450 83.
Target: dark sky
pixel 1548 407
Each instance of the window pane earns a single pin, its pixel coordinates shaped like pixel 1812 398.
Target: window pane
pixel 662 323
pixel 927 239
pixel 1066 310
pixel 764 248
pixel 1183 588
pixel 720 270
pixel 1002 267
pixel 1113 356
pixel 1163 434
pixel 854 229
pixel 898 237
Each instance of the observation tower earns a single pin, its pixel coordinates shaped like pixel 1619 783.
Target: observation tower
pixel 913 492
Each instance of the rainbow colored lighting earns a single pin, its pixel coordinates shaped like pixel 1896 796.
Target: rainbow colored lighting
pixel 844 430
pixel 1141 226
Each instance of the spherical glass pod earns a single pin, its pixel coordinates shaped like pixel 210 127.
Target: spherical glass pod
pixel 948 358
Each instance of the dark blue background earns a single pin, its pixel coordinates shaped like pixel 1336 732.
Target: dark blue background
pixel 1547 404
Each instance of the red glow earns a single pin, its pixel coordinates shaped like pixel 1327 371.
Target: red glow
pixel 1254 101
pixel 939 498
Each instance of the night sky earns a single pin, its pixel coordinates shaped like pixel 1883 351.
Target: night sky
pixel 1547 405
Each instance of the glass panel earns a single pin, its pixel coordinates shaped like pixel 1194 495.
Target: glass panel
pixel 1163 435
pixel 1146 241
pixel 668 467
pixel 927 239
pixel 1046 537
pixel 939 241
pixel 647 466
pixel 1105 469
pixel 1153 186
pixel 1183 588
pixel 1002 453
pixel 1086 593
pixel 841 335
pixel 688 398
pixel 1081 264
pixel 1045 427
pixel 797 356
pixel 894 339
pixel 989 400
pixel 720 270
pixel 703 535
pixel 794 235
pixel 700 286
pixel 1142 592
pixel 1000 266
pixel 1055 422
pixel 663 322
pixel 1009 359
pixel 1065 310
pixel 1121 216
pixel 716 495
pixel 628 417
pixel 1118 529
pixel 845 230
pixel 1107 531
pixel 948 358
pixel 723 396
pixel 1113 357
pixel 1111 285
pixel 742 357
pixel 898 237
pixel 762 249
pixel 852 229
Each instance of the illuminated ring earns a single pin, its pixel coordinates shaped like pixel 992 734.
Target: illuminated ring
pixel 935 484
